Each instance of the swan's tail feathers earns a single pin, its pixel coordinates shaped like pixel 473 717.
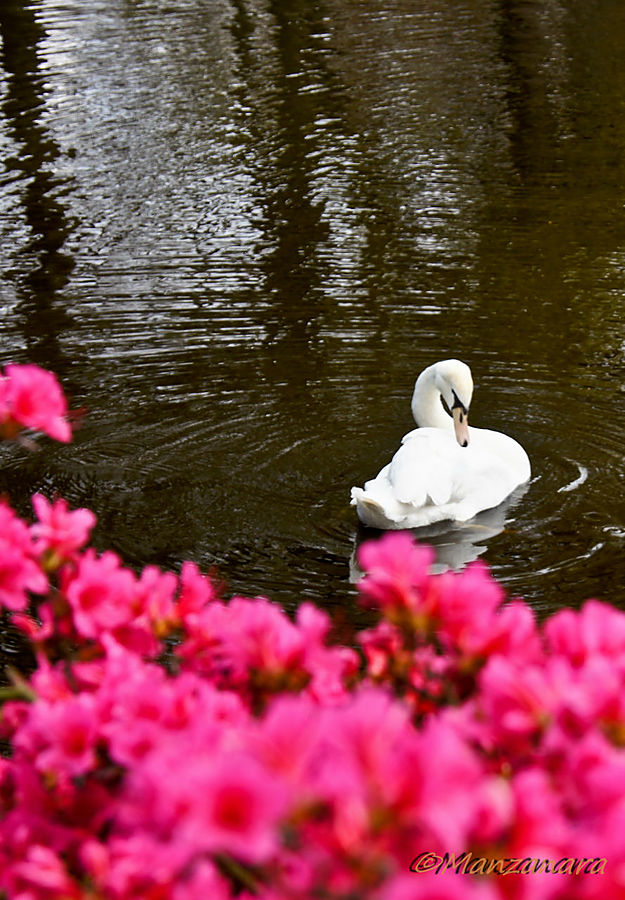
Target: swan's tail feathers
pixel 370 511
pixel 362 498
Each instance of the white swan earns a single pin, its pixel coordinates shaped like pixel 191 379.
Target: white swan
pixel 443 469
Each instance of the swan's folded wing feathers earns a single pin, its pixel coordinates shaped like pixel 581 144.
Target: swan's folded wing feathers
pixel 420 474
pixel 440 483
pixel 411 434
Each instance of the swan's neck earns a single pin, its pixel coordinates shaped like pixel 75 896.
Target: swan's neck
pixel 427 408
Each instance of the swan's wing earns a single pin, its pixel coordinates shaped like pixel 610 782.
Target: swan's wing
pixel 431 478
pixel 422 470
pixel 411 434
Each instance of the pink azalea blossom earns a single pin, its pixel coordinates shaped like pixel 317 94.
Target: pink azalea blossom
pixel 539 820
pixel 513 632
pixel 203 883
pixel 397 579
pixel 101 594
pixel 382 646
pixel 42 876
pixel 135 716
pixel 458 592
pixel 37 632
pixel 263 636
pixel 287 739
pixel 204 647
pixel 139 865
pixel 49 682
pixel 450 796
pixel 517 700
pixel 19 571
pixel 330 667
pixel 33 398
pixel 253 645
pixel 196 591
pixel 155 597
pixel 64 735
pixel 220 801
pixel 241 808
pixel 596 629
pixel 433 885
pixel 60 532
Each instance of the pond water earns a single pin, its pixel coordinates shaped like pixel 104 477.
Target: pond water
pixel 238 230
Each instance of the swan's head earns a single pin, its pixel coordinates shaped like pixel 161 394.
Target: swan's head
pixel 453 379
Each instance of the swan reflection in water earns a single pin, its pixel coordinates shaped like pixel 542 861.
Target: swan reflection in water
pixel 455 544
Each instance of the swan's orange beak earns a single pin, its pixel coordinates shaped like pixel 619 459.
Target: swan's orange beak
pixel 461 425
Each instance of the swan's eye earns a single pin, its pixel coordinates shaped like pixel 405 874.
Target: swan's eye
pixel 457 404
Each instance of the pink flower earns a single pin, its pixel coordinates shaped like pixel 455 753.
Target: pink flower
pixel 210 801
pixel 431 674
pixel 538 826
pixel 396 579
pixel 241 808
pixel 49 682
pixel 33 398
pixel 143 709
pixel 432 885
pixel 136 866
pixel 382 646
pixel 513 632
pixel 36 632
pixel 42 875
pixel 367 729
pixel 59 531
pixel 196 591
pixel 473 620
pixel 330 667
pixel 66 732
pixel 596 629
pixel 155 598
pixel 202 649
pixel 19 572
pixel 466 605
pixel 136 714
pixel 247 637
pixel 251 645
pixel 473 590
pixel 517 702
pixel 445 783
pixel 101 594
pixel 287 739
pixel 204 883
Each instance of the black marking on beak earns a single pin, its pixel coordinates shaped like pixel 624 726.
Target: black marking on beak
pixel 457 404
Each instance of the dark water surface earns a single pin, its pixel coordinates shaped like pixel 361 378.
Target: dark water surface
pixel 238 230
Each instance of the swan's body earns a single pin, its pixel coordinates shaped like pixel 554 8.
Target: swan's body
pixel 443 469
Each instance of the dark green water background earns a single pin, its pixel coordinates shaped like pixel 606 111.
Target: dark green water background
pixel 238 229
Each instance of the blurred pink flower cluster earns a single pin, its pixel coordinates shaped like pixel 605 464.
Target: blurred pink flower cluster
pixel 170 745
pixel 31 397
